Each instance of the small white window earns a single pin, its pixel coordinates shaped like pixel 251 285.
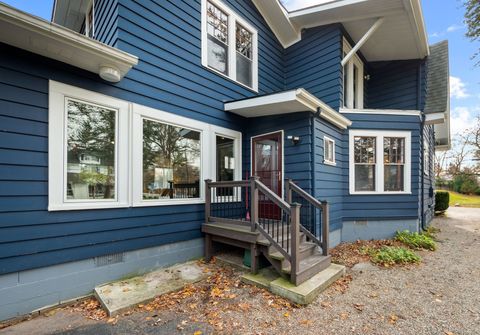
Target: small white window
pixel 229 44
pixel 329 151
pixel 90 21
pixel 352 80
pixel 379 162
pixel 88 149
pixel 426 157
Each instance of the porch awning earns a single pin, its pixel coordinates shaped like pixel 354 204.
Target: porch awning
pixel 293 101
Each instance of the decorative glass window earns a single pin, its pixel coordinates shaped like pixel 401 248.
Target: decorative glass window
pixel 394 163
pixel 329 151
pixel 373 170
pixel 365 161
pixel 229 44
pixel 352 80
pixel 171 161
pixel 217 30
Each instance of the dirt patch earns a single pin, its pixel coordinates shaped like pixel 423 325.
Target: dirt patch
pixel 349 254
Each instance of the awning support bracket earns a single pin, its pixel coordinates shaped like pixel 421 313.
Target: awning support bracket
pixel 362 41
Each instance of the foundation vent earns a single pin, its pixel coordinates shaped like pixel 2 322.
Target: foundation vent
pixel 109 259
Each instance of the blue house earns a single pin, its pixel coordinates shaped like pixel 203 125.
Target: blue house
pixel 138 134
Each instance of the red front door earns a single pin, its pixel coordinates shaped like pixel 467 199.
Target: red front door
pixel 267 164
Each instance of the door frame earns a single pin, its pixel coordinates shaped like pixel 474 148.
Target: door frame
pixel 282 156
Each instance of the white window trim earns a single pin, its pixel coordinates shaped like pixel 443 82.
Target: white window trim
pixel 350 73
pixel 129 150
pixel 325 160
pixel 379 166
pixel 58 95
pixel 233 17
pixel 208 135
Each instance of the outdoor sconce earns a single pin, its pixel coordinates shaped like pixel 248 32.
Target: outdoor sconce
pixel 295 139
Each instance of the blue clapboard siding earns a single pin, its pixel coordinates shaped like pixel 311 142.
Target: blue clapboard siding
pixel 314 64
pixel 106 21
pixel 384 207
pixel 330 183
pixel 395 85
pixel 297 158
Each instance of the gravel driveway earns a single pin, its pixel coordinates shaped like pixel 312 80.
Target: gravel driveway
pixel 440 296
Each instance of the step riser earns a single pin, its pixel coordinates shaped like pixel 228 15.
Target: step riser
pixel 312 271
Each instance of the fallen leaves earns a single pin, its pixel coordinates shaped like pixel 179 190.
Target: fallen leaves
pixel 393 319
pixel 350 254
pixel 342 284
pixel 91 309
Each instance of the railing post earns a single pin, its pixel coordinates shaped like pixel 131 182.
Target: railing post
pixel 295 234
pixel 325 227
pixel 288 191
pixel 208 200
pixel 253 202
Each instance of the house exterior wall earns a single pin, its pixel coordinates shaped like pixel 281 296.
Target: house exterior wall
pixel 106 21
pixel 429 177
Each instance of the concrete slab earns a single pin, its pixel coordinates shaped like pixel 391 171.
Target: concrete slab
pixel 120 295
pixel 302 294
pixel 263 278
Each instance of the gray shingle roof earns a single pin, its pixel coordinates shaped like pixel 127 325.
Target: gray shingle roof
pixel 438 76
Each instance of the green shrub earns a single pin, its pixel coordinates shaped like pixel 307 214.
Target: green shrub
pixel 442 199
pixel 395 255
pixel 465 182
pixel 416 240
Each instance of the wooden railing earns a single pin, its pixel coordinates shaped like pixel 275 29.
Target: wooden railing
pixel 313 224
pixel 281 229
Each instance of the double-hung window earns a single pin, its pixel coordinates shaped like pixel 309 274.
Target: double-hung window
pixel 380 161
pixel 229 44
pixel 352 80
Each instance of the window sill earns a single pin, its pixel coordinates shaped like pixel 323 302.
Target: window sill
pixel 381 193
pixel 230 79
pixel 329 163
pixel 169 202
pixel 86 206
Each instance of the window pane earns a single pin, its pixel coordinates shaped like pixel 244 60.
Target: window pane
pixel 244 70
pixel 217 46
pixel 171 161
pixel 364 150
pixel 217 55
pixel 364 177
pixel 329 147
pixel 394 177
pixel 394 150
pixel 225 164
pixel 90 151
pixel 244 42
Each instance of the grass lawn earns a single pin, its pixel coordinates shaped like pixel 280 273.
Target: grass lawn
pixel 464 200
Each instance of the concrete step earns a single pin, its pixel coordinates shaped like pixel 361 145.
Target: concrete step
pixel 309 267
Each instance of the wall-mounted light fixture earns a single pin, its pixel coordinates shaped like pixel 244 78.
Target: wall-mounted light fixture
pixel 295 139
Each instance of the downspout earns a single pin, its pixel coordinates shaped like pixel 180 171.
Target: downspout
pixel 422 149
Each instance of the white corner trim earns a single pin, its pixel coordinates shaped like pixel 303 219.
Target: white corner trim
pixel 381 111
pixel 379 166
pixel 435 118
pixel 48 39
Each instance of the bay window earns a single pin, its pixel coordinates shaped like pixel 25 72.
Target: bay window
pixel 229 44
pixel 108 153
pixel 379 162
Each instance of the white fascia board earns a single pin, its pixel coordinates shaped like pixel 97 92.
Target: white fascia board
pixel 435 118
pixel 48 39
pixel 415 15
pixel 381 111
pixel 279 22
pixel 299 100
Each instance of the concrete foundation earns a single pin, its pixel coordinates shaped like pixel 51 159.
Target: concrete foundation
pixel 375 229
pixel 27 291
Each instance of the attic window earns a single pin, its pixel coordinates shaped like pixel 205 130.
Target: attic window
pixel 90 21
pixel 229 44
